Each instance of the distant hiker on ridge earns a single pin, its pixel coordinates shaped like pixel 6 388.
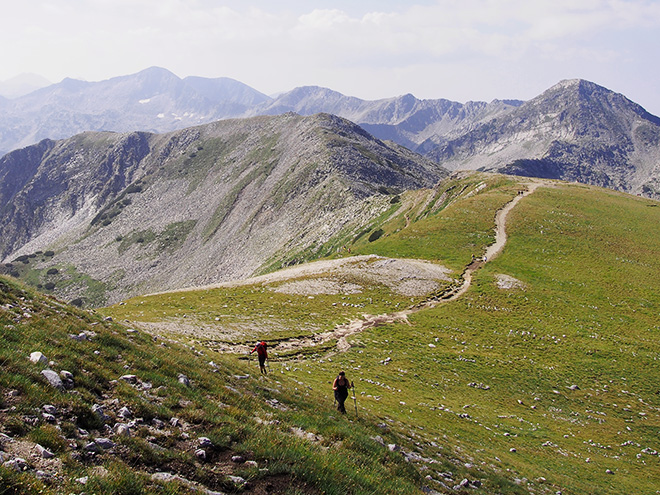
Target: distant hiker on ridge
pixel 341 386
pixel 262 353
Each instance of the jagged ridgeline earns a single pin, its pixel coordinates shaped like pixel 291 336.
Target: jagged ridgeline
pixel 102 216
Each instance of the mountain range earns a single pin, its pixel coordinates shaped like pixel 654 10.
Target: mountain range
pixel 128 213
pixel 576 130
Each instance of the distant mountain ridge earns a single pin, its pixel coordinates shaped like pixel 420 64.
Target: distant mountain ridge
pixel 153 100
pixel 21 85
pixel 205 204
pixel 575 131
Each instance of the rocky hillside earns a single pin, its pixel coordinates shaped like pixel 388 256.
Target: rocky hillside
pixel 88 405
pixel 575 131
pixel 102 216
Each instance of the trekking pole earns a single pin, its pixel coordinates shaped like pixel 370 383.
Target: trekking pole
pixel 354 399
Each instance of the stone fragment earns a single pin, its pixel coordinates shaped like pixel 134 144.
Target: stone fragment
pixel 104 443
pixel 49 409
pixel 205 442
pixel 132 379
pixel 53 379
pixel 200 454
pixel 237 480
pixel 122 430
pixel 49 418
pixel 44 452
pixel 183 379
pixel 125 413
pixel 38 358
pixel 92 447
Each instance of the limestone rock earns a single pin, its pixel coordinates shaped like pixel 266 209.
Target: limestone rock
pixel 38 358
pixel 53 379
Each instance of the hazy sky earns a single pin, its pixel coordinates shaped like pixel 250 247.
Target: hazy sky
pixel 456 49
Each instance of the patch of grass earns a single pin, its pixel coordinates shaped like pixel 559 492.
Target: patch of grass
pixel 216 404
pixel 553 382
pixel 49 437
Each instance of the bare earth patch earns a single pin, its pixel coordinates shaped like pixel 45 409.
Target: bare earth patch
pixel 407 277
pixel 506 282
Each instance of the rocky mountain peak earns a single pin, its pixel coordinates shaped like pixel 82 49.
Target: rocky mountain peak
pixel 203 204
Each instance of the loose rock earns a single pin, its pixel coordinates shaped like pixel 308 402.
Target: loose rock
pixel 132 379
pixel 38 358
pixel 125 413
pixel 122 430
pixel 44 452
pixel 205 442
pixel 49 409
pixel 53 379
pixel 104 443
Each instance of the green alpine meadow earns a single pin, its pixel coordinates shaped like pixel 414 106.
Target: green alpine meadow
pixel 501 333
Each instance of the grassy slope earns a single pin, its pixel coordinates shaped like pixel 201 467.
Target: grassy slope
pixel 233 412
pixel 587 316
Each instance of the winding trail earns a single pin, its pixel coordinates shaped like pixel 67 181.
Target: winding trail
pixel 341 332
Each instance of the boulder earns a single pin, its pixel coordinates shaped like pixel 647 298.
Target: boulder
pixel 53 379
pixel 38 358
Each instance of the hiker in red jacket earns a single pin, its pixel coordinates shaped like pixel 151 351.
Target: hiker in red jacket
pixel 262 353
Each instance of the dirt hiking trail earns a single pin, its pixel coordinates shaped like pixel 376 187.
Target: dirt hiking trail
pixel 384 266
pixel 342 332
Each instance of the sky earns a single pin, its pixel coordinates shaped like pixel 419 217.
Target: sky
pixel 456 49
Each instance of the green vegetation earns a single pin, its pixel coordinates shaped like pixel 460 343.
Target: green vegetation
pixel 549 384
pixel 256 419
pixel 107 214
pixel 38 271
pixel 543 377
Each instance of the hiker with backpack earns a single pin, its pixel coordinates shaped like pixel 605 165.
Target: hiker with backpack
pixel 262 354
pixel 341 386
